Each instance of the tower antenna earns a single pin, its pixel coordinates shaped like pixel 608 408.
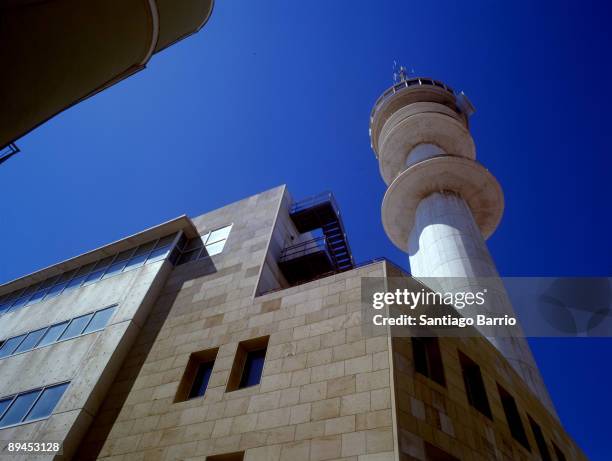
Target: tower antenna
pixel 400 73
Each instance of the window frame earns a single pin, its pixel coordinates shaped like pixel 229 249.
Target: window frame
pixel 244 348
pixel 60 337
pixel 423 345
pixel 474 385
pixel 196 359
pixel 40 391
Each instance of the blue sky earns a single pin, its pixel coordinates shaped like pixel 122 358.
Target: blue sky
pixel 277 92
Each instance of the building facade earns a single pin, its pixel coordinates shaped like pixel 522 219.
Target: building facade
pixel 237 335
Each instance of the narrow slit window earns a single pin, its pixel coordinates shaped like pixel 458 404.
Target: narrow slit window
pixel 197 375
pixel 198 389
pixel 248 363
pixel 540 441
pixel 513 417
pixel 474 385
pixel 428 358
pixel 558 453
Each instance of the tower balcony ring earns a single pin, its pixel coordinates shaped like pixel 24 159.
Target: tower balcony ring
pixel 422 128
pixel 465 177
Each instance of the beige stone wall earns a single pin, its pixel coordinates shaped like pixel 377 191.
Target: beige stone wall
pixel 327 391
pixel 324 393
pixel 442 416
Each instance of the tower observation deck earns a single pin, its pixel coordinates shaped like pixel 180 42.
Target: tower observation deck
pixel 441 204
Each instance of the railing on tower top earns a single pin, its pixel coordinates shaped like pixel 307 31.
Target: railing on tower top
pixel 418 81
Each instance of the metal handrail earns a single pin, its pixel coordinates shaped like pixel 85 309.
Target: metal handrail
pixel 304 248
pixel 316 199
pixel 418 81
pixel 329 274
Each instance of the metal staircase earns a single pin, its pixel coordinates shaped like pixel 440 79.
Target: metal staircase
pixel 324 255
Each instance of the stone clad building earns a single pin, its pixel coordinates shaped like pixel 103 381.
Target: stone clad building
pixel 237 335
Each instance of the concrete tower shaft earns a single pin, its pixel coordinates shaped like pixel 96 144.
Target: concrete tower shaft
pixel 441 204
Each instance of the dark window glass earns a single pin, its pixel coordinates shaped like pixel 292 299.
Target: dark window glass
pixel 513 417
pixel 4 307
pixel 238 456
pixel 100 319
pixel 94 276
pixel 4 404
pixel 433 453
pixel 10 345
pixel 200 382
pixel 31 340
pixel 52 334
pixel 84 270
pixel 76 327
pixel 37 297
pixel 136 261
pixel 428 359
pixel 19 408
pixel 539 438
pixel 46 403
pixel 253 366
pixel 75 282
pixel 115 268
pixel 165 241
pixel 474 385
pixel 158 253
pixel 20 302
pixel 189 256
pixel 124 255
pixel 50 282
pixel 55 290
pixel 558 453
pixel 66 276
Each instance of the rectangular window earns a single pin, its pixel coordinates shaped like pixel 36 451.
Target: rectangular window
pixel 19 407
pixel 513 417
pixel 89 273
pixel 53 334
pixel 140 256
pixel 30 405
pixel 474 385
pixel 428 359
pixel 76 327
pixel 539 438
pixel 99 320
pixel 197 375
pixel 248 364
pixel 161 249
pixel 201 380
pixel 10 345
pixel 30 341
pixel 46 402
pixel 559 453
pixel 65 330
